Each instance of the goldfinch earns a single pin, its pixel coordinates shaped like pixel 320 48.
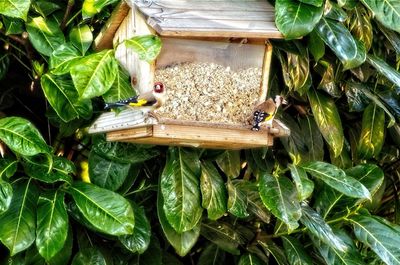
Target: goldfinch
pixel 146 102
pixel 265 112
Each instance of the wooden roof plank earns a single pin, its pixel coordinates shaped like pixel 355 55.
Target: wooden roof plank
pixel 159 13
pixel 243 6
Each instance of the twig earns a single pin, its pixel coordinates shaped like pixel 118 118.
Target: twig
pixel 23 40
pixel 70 5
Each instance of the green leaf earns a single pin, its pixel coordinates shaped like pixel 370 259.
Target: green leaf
pixel 182 242
pixel 8 167
pixel 334 11
pixel 335 257
pixel 255 205
pixel 317 227
pixel 237 201
pixel 60 169
pixel 15 8
pixel 45 35
pixel 106 173
pixel 107 211
pixel 299 70
pixel 64 255
pixel 140 239
pixel 313 140
pixel 63 58
pixel 337 179
pixel 121 89
pixel 371 176
pixel 304 185
pixel 81 37
pixel 212 255
pixel 180 189
pixel 152 256
pixel 45 8
pixel 224 235
pixel 280 197
pixel 313 2
pixel 22 137
pixel 64 99
pixel 295 252
pixel 382 238
pixel 229 163
pixel 328 120
pixel 385 11
pixel 361 27
pixel 18 223
pixel 123 152
pixel 147 46
pixel 341 42
pixel 373 97
pixel 271 248
pixel 316 46
pixel 6 194
pixel 13 25
pixel 89 256
pixel 328 72
pixel 213 191
pixel 372 132
pixel 250 259
pixel 382 67
pixel 295 19
pixel 349 4
pixel 52 224
pixel 94 74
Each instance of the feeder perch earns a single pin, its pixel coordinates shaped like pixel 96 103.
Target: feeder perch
pixel 215 64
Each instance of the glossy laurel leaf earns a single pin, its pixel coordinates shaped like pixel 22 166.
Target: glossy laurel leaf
pixel 379 236
pixel 81 37
pixel 328 120
pixel 63 58
pixel 212 255
pixel 237 201
pixel 52 224
pixel 295 252
pixel 6 194
pixel 303 184
pixel 121 89
pixel 213 191
pixel 106 173
pixel 147 46
pixel 45 35
pixel 117 217
pixel 22 137
pixel 280 197
pixel 15 8
pixel 296 19
pixel 95 74
pixel 229 162
pixel 8 167
pixel 89 256
pixel 140 239
pixel 341 42
pixel 337 179
pixel 319 228
pixel 19 221
pixel 372 133
pixel 181 242
pixel 180 189
pixel 385 11
pixel 64 99
pixel 250 259
pixel 385 69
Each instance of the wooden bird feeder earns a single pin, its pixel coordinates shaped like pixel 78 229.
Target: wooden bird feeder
pixel 214 62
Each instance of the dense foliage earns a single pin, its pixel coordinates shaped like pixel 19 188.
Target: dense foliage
pixel 328 194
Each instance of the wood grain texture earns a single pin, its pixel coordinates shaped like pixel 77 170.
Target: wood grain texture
pixel 105 38
pixel 195 136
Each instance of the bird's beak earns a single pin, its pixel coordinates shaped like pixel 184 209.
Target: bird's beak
pixel 284 102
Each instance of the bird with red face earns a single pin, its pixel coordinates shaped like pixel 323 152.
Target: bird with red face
pixel 146 102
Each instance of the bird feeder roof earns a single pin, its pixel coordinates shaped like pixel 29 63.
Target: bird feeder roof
pixel 210 18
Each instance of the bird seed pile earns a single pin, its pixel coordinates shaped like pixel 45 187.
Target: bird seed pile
pixel 209 92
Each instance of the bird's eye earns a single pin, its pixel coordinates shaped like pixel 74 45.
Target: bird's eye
pixel 158 87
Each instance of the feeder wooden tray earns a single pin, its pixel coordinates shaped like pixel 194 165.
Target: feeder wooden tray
pixel 232 34
pixel 130 126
